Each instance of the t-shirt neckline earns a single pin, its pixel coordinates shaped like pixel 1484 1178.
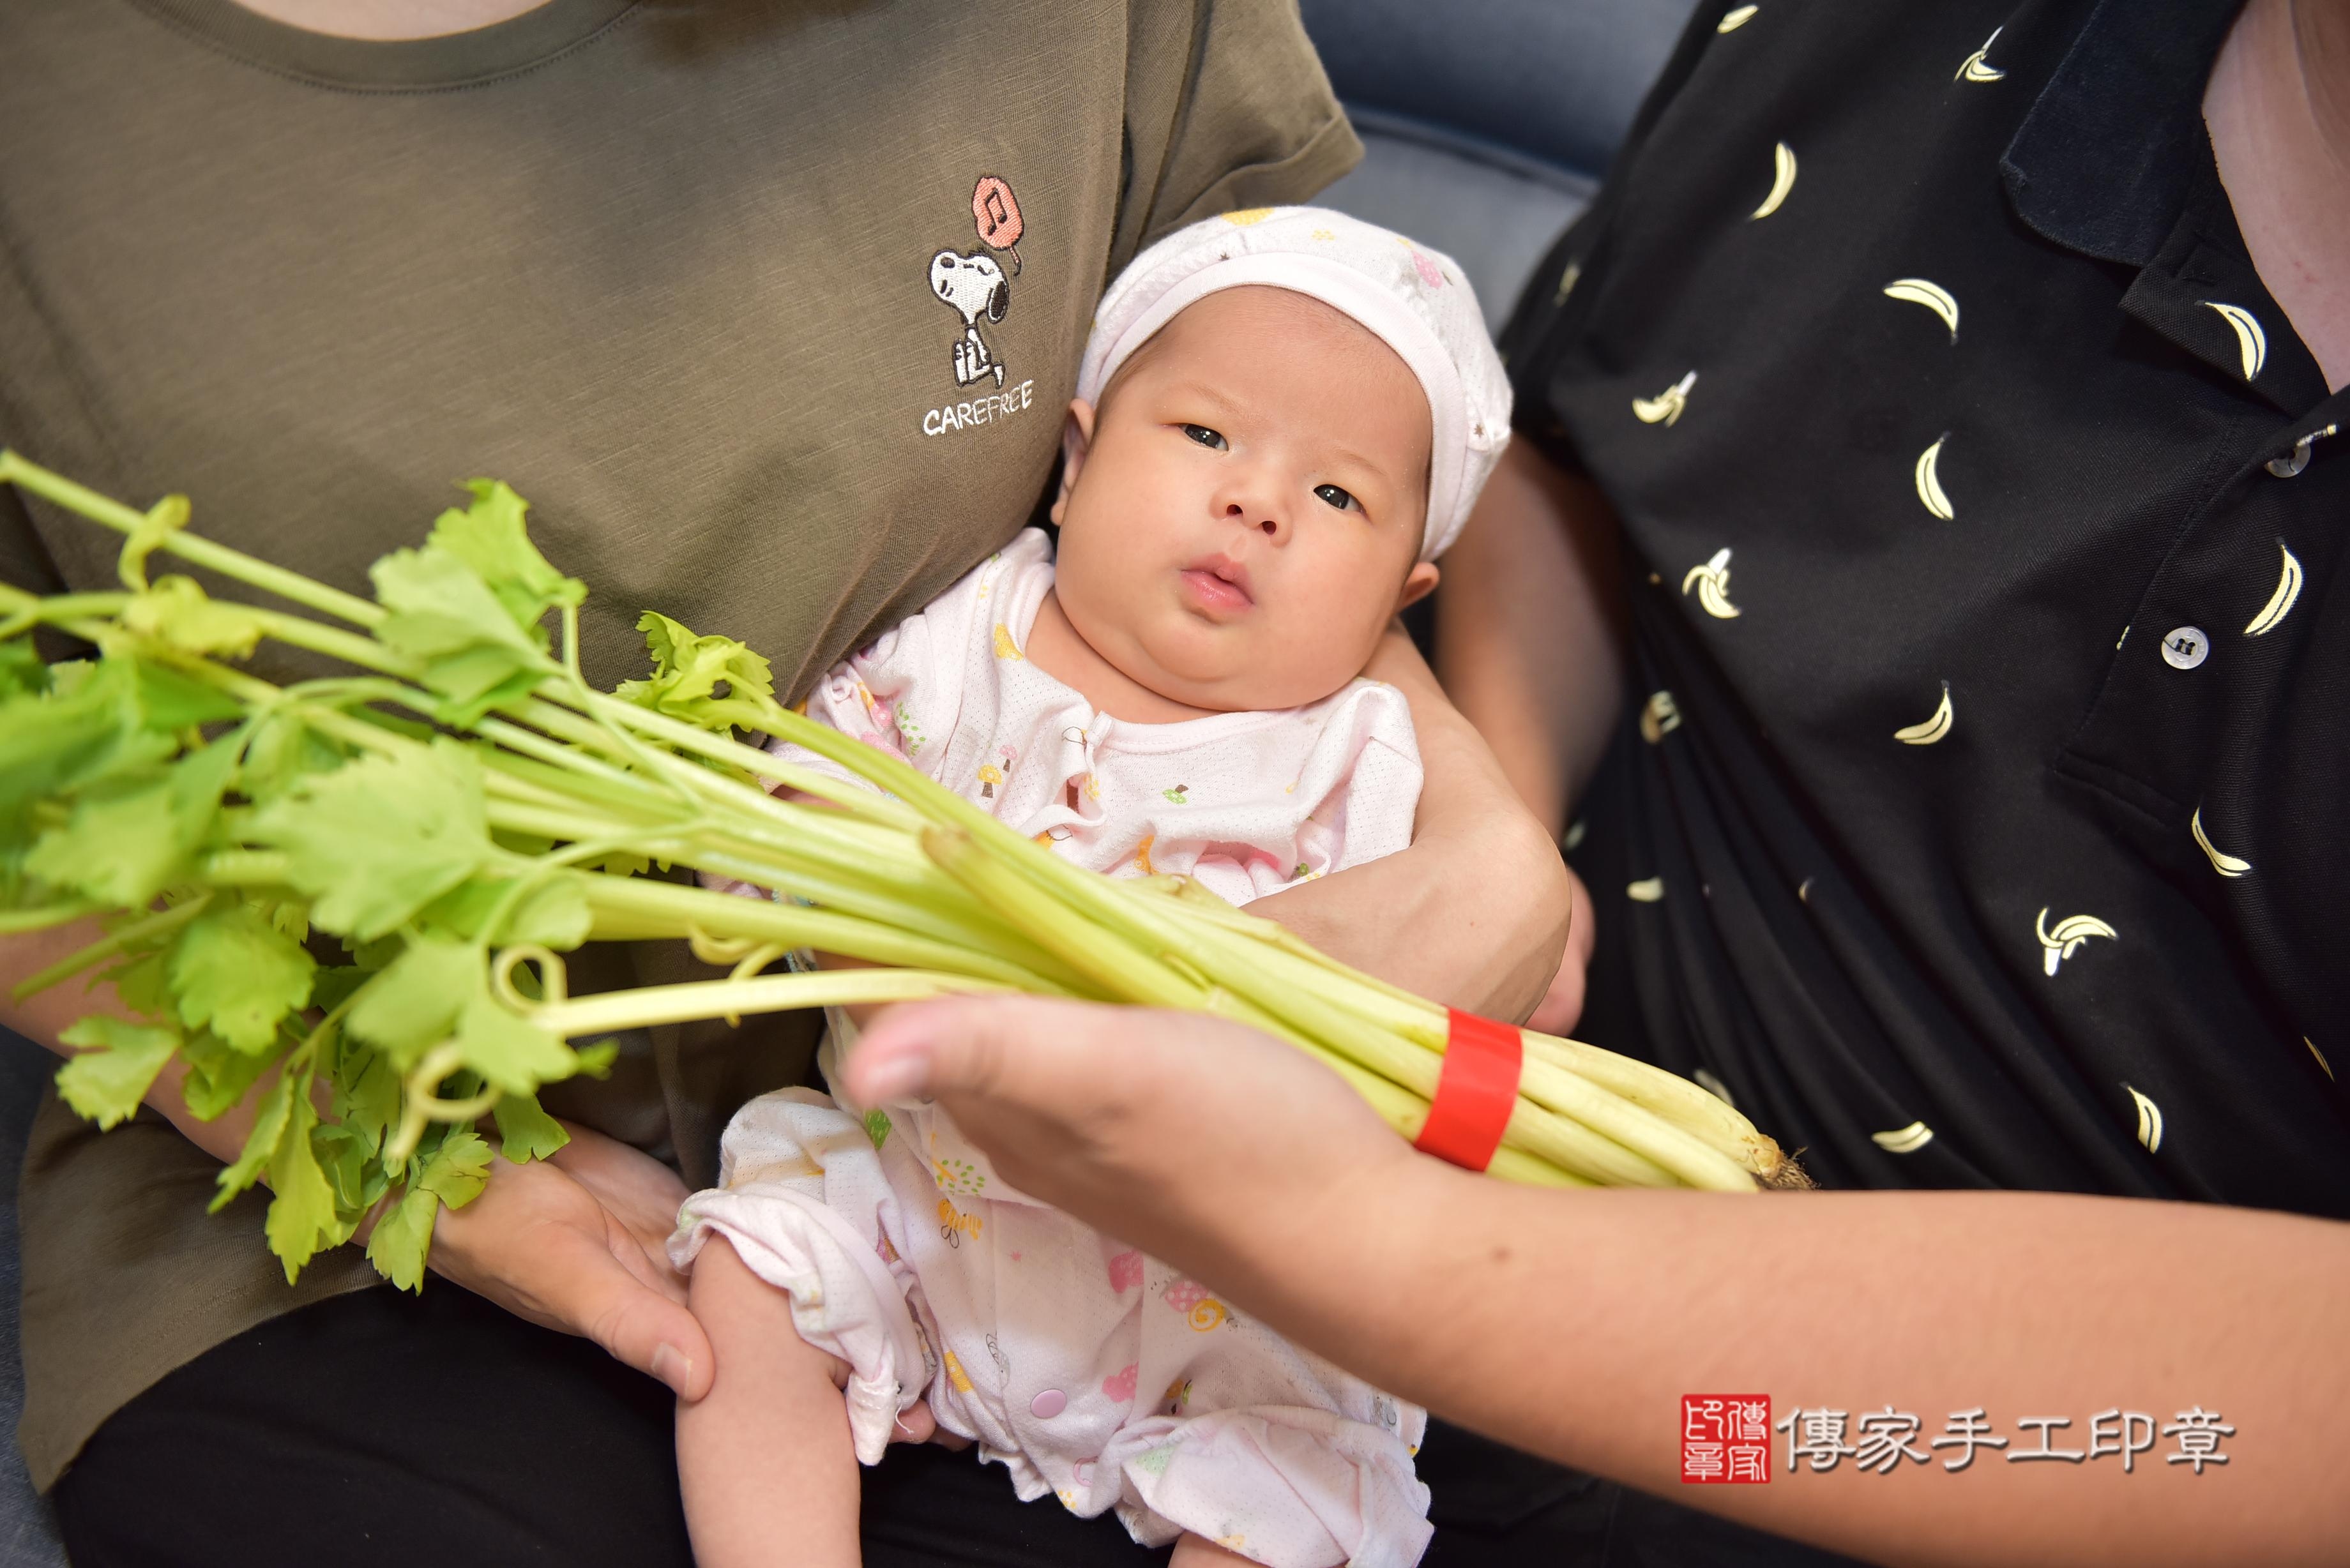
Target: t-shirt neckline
pixel 451 60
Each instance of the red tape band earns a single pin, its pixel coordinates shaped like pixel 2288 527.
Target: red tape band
pixel 1476 1090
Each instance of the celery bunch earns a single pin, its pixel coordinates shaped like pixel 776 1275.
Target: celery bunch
pixel 462 807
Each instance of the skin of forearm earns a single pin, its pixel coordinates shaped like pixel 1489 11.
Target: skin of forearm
pixel 44 1017
pixel 1570 1322
pixel 1573 1324
pixel 1474 914
pixel 1529 628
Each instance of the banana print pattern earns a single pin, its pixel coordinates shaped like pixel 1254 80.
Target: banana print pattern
pixel 1660 718
pixel 2251 341
pixel 1711 581
pixel 2280 603
pixel 2225 865
pixel 2067 938
pixel 1975 69
pixel 2313 1051
pixel 1932 295
pixel 1782 180
pixel 1568 278
pixel 1930 730
pixel 1929 482
pixel 1648 890
pixel 1665 406
pixel 1904 1140
pixel 1736 19
pixel 2149 1121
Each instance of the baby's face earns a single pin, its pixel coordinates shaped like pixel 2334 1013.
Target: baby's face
pixel 1247 515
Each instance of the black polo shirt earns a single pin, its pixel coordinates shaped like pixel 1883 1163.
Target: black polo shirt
pixel 1991 634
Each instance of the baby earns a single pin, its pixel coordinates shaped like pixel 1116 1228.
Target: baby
pixel 1282 418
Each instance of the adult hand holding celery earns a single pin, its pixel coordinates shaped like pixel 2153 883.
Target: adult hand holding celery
pixel 461 808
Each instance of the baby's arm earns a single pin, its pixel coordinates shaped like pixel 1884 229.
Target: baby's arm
pixel 765 1461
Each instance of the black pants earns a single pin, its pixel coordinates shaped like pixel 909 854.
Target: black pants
pixel 379 1428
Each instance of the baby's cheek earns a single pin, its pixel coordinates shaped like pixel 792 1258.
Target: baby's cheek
pixel 1320 643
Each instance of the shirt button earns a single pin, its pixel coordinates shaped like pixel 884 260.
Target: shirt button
pixel 2293 462
pixel 2184 647
pixel 1048 1403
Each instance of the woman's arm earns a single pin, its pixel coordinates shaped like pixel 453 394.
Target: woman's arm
pixel 1529 628
pixel 575 1242
pixel 1475 912
pixel 1571 1322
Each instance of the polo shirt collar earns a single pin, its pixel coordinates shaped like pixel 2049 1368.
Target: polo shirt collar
pixel 2113 162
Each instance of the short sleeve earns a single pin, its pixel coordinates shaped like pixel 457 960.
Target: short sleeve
pixel 1227 107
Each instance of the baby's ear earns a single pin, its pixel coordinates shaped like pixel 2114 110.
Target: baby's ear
pixel 1077 436
pixel 1418 584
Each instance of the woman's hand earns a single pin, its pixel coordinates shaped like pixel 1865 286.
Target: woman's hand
pixel 578 1242
pixel 1570 1324
pixel 1159 1127
pixel 1474 914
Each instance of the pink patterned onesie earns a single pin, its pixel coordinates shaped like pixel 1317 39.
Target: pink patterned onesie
pixel 1085 1369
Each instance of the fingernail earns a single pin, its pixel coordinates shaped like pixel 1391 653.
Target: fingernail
pixel 672 1366
pixel 905 1074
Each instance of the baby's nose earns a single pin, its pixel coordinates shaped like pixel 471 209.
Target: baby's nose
pixel 1263 520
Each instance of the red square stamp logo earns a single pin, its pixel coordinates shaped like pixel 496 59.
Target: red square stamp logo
pixel 1725 1437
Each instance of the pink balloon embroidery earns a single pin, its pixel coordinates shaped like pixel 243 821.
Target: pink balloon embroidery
pixel 997 212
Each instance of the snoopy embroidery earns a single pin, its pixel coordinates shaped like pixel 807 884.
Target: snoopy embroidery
pixel 974 285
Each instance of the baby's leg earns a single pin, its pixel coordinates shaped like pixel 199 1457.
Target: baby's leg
pixel 768 1471
pixel 1199 1552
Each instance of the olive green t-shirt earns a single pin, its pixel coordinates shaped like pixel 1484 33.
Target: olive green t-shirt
pixel 770 307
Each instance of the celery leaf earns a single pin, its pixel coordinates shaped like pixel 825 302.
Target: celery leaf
pixel 402 1237
pixel 554 913
pixel 181 615
pixel 451 622
pixel 374 842
pixel 490 536
pixel 366 1095
pixel 459 1168
pixel 302 1216
pixel 412 1005
pixel 23 672
pixel 509 1052
pixel 688 670
pixel 128 838
pixel 238 976
pixel 524 1129
pixel 260 1147
pixel 117 1067
pixel 218 1073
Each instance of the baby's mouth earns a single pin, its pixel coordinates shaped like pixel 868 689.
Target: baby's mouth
pixel 1218 583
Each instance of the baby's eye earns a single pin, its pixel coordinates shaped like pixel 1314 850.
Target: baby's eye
pixel 1205 437
pixel 1337 498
